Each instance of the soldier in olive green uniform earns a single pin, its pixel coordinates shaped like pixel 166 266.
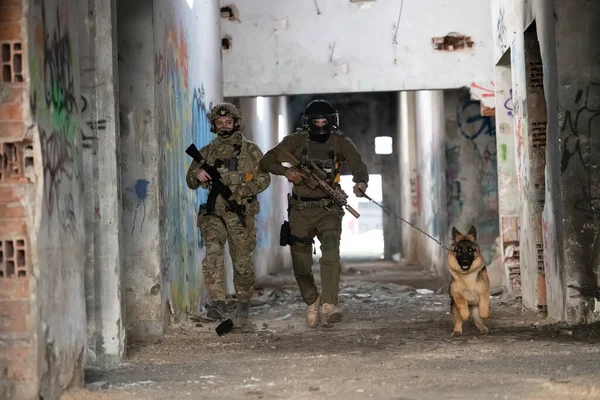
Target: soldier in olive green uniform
pixel 311 211
pixel 237 160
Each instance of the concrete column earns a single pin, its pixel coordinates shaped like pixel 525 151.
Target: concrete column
pixel 89 135
pixel 432 169
pixel 508 192
pixel 410 179
pixel 262 126
pixel 577 75
pixel 139 171
pixel 110 332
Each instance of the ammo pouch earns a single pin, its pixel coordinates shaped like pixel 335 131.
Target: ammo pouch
pixel 286 237
pixel 284 234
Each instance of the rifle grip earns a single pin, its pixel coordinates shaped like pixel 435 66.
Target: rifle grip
pixel 353 211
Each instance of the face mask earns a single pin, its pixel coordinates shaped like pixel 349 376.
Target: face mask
pixel 225 133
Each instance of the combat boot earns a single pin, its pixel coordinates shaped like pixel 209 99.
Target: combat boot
pixel 241 313
pixel 216 310
pixel 312 313
pixel 330 314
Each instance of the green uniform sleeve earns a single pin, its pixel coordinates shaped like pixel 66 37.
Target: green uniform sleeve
pixel 355 163
pixel 271 161
pixel 260 179
pixel 193 182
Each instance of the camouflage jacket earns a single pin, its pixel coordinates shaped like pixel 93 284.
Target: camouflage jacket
pixel 237 160
pixel 338 148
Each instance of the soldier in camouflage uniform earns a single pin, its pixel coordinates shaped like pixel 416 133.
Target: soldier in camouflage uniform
pixel 237 160
pixel 311 211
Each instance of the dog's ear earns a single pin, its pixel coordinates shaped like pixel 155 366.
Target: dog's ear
pixel 473 233
pixel 455 234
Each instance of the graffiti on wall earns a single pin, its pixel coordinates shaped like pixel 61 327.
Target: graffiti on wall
pixel 508 104
pixel 455 197
pixel 54 105
pixel 182 119
pixel 580 147
pixel 471 123
pixel 471 173
pixel 501 36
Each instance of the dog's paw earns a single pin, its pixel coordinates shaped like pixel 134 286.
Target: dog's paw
pixel 457 333
pixel 484 330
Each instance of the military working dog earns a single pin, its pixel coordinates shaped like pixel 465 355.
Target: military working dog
pixel 470 286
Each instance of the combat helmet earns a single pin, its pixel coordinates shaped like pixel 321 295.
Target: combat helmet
pixel 225 110
pixel 320 110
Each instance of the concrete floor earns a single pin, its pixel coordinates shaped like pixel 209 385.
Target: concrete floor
pixel 395 343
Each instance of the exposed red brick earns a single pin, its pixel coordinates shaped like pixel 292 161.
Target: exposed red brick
pixel 11 112
pixel 14 316
pixel 13 228
pixel 10 31
pixel 13 131
pixel 488 111
pixel 11 194
pixel 12 211
pixel 12 13
pixel 12 93
pixel 15 350
pixel 452 42
pixel 14 289
pixel 10 3
pixel 16 370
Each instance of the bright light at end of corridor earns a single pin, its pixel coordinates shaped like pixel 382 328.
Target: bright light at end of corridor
pixel 260 107
pixel 384 145
pixel 280 127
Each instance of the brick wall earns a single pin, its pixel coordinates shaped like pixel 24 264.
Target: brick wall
pixel 16 325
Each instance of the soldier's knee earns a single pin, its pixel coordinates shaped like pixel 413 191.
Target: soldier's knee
pixel 330 248
pixel 330 256
pixel 301 249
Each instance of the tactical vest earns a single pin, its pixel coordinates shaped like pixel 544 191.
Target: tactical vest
pixel 328 162
pixel 231 168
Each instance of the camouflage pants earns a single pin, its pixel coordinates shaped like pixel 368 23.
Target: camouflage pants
pixel 216 229
pixel 326 224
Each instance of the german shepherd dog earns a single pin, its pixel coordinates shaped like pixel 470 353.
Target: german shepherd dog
pixel 470 286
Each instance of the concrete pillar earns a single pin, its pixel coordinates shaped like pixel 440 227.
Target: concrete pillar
pixel 409 177
pixel 139 171
pixel 578 126
pixel 106 181
pixel 508 192
pixel 264 126
pixel 432 169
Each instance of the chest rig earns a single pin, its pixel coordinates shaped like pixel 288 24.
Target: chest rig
pixel 230 165
pixel 325 159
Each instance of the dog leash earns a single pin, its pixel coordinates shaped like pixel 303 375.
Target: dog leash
pixel 403 220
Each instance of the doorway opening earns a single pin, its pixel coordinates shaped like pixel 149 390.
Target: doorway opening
pixel 362 238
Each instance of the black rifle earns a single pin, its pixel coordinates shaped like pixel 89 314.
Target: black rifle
pixel 217 187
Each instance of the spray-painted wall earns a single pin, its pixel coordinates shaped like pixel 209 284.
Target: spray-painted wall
pixel 471 170
pixel 187 73
pixel 309 47
pixel 560 81
pixel 57 217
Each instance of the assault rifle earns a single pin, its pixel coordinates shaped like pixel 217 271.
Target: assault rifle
pixel 217 186
pixel 315 176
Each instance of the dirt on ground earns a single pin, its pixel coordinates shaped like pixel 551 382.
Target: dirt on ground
pixel 394 343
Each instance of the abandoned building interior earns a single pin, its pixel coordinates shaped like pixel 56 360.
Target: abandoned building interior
pixel 467 113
